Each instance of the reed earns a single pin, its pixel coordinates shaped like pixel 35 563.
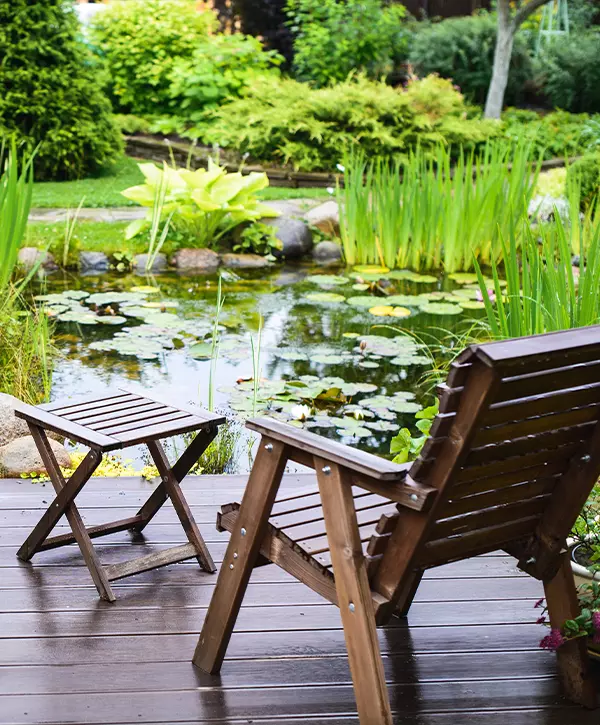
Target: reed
pixel 427 212
pixel 543 292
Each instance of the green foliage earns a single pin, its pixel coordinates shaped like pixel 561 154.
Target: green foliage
pixel 463 49
pixel 586 172
pixel 542 293
pixel 201 205
pixel 140 42
pixel 49 92
pixel 569 73
pixel 283 121
pixel 221 67
pixel 258 238
pixel 404 445
pixel 428 213
pixel 556 134
pixel 333 38
pixel 130 124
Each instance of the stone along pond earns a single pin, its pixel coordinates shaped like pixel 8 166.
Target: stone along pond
pixel 344 354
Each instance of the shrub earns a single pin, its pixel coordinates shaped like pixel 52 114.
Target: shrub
pixel 140 41
pixel 130 124
pixel 586 171
pixel 49 93
pixel 266 19
pixel 463 49
pixel 286 122
pixel 221 67
pixel 556 134
pixel 569 73
pixel 333 39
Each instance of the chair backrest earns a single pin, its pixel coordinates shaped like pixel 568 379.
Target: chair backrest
pixel 514 452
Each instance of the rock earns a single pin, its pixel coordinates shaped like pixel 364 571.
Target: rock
pixel 543 208
pixel 294 235
pixel 244 261
pixel 29 256
pixel 199 259
pixel 327 253
pixel 11 427
pixel 21 456
pixel 325 217
pixel 96 261
pixel 158 265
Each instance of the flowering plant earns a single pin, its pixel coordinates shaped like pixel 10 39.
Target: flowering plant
pixel 587 624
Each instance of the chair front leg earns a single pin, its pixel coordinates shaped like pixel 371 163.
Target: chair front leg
pixel 241 555
pixel 354 594
pixel 573 659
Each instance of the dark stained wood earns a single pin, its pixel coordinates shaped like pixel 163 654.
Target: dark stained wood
pixel 151 561
pixel 87 402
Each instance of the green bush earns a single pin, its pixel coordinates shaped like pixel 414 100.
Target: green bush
pixel 556 134
pixel 49 93
pixel 130 124
pixel 463 49
pixel 286 122
pixel 586 171
pixel 220 68
pixel 569 73
pixel 333 38
pixel 140 41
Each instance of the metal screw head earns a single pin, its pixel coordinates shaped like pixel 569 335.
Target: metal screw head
pixel 231 566
pixel 243 532
pixel 269 447
pixel 326 470
pixel 586 459
pixel 414 497
pixel 351 607
pixel 531 560
pixel 235 555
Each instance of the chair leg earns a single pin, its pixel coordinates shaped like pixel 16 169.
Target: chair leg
pixel 180 470
pixel 241 555
pixel 73 516
pixel 573 659
pixel 408 594
pixel 354 594
pixel 180 505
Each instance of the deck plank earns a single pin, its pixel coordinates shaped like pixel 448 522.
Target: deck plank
pixel 468 652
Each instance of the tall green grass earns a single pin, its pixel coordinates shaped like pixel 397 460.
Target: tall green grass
pixel 426 213
pixel 24 331
pixel 543 292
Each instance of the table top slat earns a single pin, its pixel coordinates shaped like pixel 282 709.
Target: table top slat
pixel 163 418
pixel 162 430
pixel 84 402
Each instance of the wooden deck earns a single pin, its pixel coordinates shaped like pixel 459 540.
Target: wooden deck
pixel 468 654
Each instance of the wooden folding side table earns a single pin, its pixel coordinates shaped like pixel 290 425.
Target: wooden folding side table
pixel 118 419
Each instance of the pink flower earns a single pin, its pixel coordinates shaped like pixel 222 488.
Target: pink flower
pixel 541 620
pixel 539 603
pixel 553 641
pixel 596 623
pixel 490 294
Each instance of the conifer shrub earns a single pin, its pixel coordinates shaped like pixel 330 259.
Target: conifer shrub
pixel 50 95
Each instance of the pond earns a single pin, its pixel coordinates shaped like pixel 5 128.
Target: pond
pixel 330 348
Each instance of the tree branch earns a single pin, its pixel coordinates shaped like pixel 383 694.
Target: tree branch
pixel 526 10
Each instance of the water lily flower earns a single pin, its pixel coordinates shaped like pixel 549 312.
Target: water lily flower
pixel 300 412
pixel 358 415
pixel 330 189
pixel 341 168
pixel 490 293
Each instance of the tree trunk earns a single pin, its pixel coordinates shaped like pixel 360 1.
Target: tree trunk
pixel 502 56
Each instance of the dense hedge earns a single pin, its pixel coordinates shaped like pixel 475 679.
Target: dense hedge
pixel 463 49
pixel 283 121
pixel 586 171
pixel 49 92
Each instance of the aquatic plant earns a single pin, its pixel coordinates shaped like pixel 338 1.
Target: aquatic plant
pixel 203 205
pixel 543 292
pixel 429 212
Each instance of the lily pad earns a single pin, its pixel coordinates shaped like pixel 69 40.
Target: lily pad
pixel 389 311
pixel 109 298
pixel 165 304
pixel 360 286
pixel 370 269
pixel 201 350
pixel 463 277
pixel 362 300
pixel 145 289
pixel 368 364
pixel 324 297
pixel 111 319
pixel 351 335
pixel 441 308
pixel 472 305
pixel 327 280
pixel 411 276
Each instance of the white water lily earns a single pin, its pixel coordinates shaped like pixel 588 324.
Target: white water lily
pixel 340 167
pixel 300 412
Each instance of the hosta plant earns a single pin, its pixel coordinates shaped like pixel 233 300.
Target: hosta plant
pixel 203 205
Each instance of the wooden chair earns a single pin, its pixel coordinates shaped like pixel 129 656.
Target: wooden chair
pixel 513 455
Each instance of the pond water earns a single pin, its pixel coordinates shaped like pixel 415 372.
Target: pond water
pixel 327 342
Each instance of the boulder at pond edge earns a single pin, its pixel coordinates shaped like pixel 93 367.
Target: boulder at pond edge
pixel 294 234
pixel 21 456
pixel 198 259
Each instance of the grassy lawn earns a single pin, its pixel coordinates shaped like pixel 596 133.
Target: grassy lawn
pixel 104 191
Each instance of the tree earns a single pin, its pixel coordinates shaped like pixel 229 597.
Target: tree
pixel 50 95
pixel 509 22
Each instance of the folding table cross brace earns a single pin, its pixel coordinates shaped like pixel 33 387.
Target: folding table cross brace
pixel 115 420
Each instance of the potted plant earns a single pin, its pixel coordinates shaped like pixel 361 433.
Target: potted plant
pixel 584 550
